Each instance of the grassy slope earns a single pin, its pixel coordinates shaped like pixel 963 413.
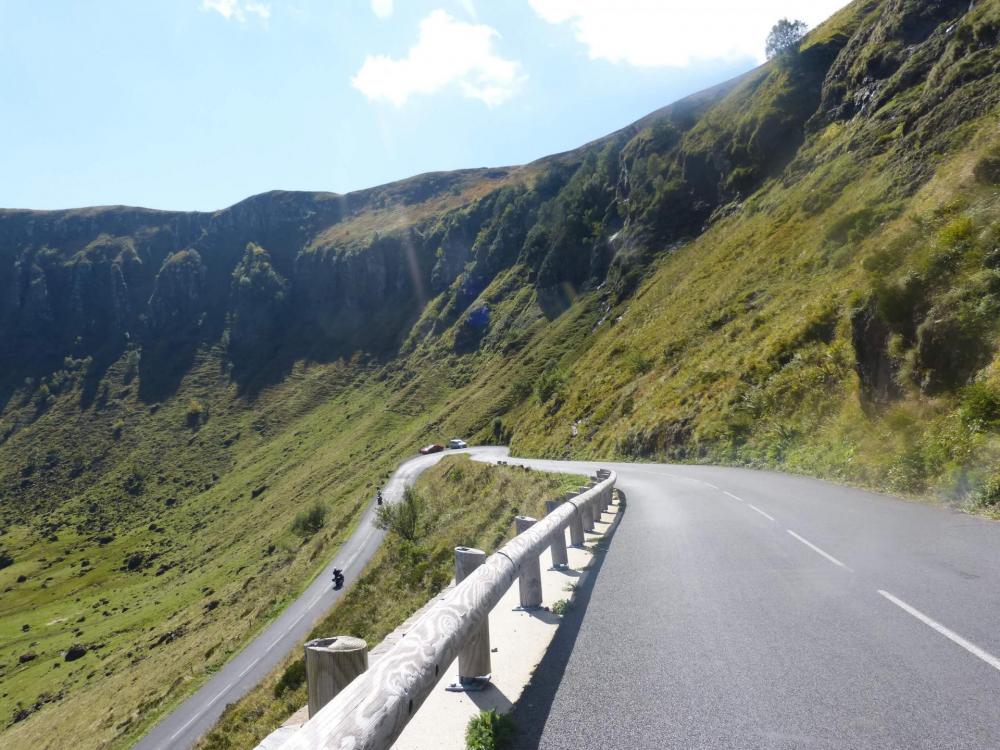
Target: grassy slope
pixel 219 544
pixel 327 433
pixel 468 504
pixel 320 436
pixel 738 349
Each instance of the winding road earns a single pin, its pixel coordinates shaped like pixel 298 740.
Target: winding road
pixel 749 609
pixel 735 609
pixel 182 728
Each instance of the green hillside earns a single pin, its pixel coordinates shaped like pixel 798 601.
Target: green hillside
pixel 797 269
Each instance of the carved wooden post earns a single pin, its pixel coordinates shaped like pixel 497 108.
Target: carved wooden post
pixel 530 581
pixel 331 664
pixel 474 659
pixel 558 547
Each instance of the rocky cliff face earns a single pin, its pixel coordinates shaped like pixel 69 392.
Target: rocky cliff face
pixel 258 303
pixel 336 273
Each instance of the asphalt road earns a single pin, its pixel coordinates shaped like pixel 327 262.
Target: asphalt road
pixel 182 728
pixel 745 609
pixel 734 609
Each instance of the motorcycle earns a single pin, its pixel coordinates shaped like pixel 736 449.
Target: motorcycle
pixel 338 579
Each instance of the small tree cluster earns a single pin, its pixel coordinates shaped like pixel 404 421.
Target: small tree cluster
pixel 308 522
pixel 196 414
pixel 785 37
pixel 405 519
pixel 549 382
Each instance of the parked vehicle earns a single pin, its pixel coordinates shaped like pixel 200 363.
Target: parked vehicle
pixel 456 443
pixel 433 448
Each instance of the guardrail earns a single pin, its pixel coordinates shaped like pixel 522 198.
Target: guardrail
pixel 371 712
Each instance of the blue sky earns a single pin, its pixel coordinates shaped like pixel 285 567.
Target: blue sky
pixel 196 104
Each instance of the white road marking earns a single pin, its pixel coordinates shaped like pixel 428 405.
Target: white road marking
pixel 754 507
pixel 198 715
pixel 954 637
pixel 180 731
pixel 709 484
pixel 245 671
pixel 276 641
pixel 818 551
pixel 297 621
pixel 734 497
pixel 352 558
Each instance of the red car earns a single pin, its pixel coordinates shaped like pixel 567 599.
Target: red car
pixel 433 448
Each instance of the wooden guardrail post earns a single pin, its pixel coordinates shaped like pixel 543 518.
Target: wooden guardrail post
pixel 576 537
pixel 558 547
pixel 605 497
pixel 474 659
pixel 599 505
pixel 529 582
pixel 587 512
pixel 331 664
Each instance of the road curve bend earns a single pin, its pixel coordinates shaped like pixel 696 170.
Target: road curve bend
pixel 751 609
pixel 182 728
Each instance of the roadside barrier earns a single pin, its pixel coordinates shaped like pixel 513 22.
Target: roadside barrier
pixel 371 712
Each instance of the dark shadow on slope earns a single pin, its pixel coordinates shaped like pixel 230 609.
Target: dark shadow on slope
pixel 373 339
pixel 555 300
pixel 102 361
pixel 531 712
pixel 163 366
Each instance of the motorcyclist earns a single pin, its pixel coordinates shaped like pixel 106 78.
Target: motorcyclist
pixel 338 578
pixel 379 496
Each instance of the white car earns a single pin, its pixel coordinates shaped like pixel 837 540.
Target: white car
pixel 456 443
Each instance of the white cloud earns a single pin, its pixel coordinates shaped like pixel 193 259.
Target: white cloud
pixel 238 11
pixel 382 8
pixel 650 33
pixel 447 53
